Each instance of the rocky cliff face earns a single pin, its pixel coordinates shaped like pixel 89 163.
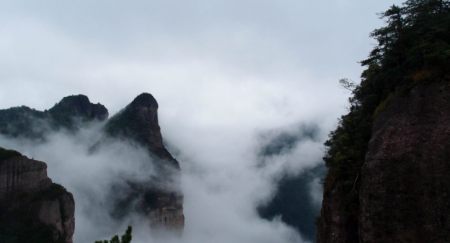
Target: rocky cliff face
pixel 335 226
pixel 32 208
pixel 138 122
pixel 404 192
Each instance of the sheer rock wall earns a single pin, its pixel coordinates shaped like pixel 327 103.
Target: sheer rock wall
pixel 26 198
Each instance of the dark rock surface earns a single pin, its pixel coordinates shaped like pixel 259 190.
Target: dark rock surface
pixel 405 194
pixel 32 208
pixel 335 227
pixel 76 107
pixel 138 122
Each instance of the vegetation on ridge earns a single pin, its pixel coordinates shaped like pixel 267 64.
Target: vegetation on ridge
pixel 126 238
pixel 68 114
pixel 414 47
pixel 7 154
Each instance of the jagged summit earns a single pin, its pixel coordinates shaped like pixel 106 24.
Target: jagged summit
pixel 70 113
pixel 136 123
pixel 144 99
pixel 78 106
pixel 139 121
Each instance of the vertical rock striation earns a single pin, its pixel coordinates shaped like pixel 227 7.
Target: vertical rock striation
pixel 158 197
pixel 20 174
pixel 32 208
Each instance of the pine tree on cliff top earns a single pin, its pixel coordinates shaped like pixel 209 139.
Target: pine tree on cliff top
pixel 412 48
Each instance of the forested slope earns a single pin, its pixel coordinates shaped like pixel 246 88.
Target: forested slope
pixel 407 74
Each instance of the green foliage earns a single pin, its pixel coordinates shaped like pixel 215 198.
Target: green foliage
pixel 413 47
pixel 7 154
pixel 21 121
pixel 126 238
pixel 25 122
pixel 382 106
pixel 416 38
pixel 64 112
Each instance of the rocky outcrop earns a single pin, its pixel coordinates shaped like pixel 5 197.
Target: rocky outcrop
pixel 31 203
pixel 405 193
pixel 79 106
pixel 167 212
pixel 138 122
pixel 71 113
pixel 22 175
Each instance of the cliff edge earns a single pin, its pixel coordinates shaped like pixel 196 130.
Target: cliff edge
pixel 138 122
pixel 32 208
pixel 388 159
pixel 404 194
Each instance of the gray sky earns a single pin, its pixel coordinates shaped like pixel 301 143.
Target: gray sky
pixel 222 72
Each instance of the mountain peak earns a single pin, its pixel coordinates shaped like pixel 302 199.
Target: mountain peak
pixel 79 105
pixel 145 99
pixel 139 121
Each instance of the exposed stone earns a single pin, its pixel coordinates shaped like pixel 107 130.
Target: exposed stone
pixel 21 174
pixel 139 122
pixel 404 194
pixel 168 211
pixel 405 188
pixel 334 227
pixel 27 192
pixel 79 106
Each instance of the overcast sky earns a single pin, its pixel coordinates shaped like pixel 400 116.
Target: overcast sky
pixel 222 71
pixel 203 60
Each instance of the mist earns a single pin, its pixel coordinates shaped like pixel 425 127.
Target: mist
pixel 223 182
pixel 247 93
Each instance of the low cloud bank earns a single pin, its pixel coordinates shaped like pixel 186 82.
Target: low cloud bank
pixel 223 184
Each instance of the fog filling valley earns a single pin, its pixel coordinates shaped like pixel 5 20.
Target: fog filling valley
pixel 247 92
pixel 224 182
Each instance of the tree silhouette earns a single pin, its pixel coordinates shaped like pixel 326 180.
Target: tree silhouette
pixel 126 238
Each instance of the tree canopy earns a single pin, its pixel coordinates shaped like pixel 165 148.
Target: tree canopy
pixel 126 238
pixel 413 47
